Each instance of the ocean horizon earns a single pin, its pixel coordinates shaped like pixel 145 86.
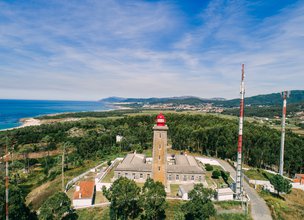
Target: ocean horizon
pixel 12 110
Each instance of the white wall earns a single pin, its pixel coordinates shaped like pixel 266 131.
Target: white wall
pixel 82 202
pixel 100 185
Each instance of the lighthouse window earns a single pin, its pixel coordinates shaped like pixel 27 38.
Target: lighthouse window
pixel 159 147
pixel 158 157
pixel 158 168
pixel 159 135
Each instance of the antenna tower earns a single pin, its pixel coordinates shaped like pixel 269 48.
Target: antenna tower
pixel 239 181
pixel 284 95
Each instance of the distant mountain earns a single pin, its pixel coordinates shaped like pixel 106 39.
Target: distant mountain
pixel 267 99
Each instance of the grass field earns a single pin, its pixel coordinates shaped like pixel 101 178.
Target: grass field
pixel 174 189
pixel 258 174
pixel 286 207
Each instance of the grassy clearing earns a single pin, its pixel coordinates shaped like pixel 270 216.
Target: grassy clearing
pixel 110 175
pixel 217 182
pixel 93 213
pixel 100 198
pixel 174 189
pixel 287 207
pixel 226 205
pixel 258 174
pixel 231 216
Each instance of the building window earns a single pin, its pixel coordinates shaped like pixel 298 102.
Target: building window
pixel 118 175
pixel 141 176
pixel 200 178
pixel 192 177
pixel 177 177
pixel 133 175
pixel 185 178
pixel 148 176
pixel 126 174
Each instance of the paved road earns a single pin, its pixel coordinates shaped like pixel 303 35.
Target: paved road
pixel 259 208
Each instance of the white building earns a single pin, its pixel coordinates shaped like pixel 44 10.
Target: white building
pixel 224 194
pixel 84 194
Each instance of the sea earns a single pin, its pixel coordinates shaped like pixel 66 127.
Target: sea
pixel 11 111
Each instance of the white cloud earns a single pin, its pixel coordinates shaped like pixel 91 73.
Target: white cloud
pixel 136 48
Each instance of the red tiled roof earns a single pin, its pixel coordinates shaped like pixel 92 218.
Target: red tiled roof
pixel 300 175
pixel 86 190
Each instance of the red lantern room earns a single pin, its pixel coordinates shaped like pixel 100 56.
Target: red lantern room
pixel 160 120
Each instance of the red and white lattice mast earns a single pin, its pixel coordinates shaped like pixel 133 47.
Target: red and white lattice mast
pixel 285 95
pixel 239 181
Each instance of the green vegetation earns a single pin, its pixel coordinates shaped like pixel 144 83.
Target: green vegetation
pixel 266 111
pixel 55 207
pixel 124 196
pixel 258 174
pixel 17 206
pixel 206 134
pixel 285 206
pixel 216 174
pixel 200 205
pixel 93 214
pixel 208 167
pixel 232 216
pixel 226 205
pixel 129 201
pixel 281 184
pixel 153 200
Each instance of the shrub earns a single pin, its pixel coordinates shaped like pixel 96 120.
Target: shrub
pixel 216 174
pixel 208 167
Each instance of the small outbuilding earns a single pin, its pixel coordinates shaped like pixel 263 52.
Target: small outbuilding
pixel 224 194
pixel 184 190
pixel 84 194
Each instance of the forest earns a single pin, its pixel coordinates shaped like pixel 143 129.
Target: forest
pixel 206 134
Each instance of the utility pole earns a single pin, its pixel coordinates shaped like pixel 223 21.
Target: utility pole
pixel 239 181
pixel 284 95
pixel 6 181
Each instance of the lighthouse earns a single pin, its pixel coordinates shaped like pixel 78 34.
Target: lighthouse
pixel 159 163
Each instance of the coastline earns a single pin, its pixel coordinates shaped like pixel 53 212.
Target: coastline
pixel 33 121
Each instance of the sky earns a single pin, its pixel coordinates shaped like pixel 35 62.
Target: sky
pixel 87 50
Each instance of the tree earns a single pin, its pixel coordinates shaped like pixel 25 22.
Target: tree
pixel 55 207
pixel 216 174
pixel 280 184
pixel 208 167
pixel 17 208
pixel 200 205
pixel 153 200
pixel 225 176
pixel 124 196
